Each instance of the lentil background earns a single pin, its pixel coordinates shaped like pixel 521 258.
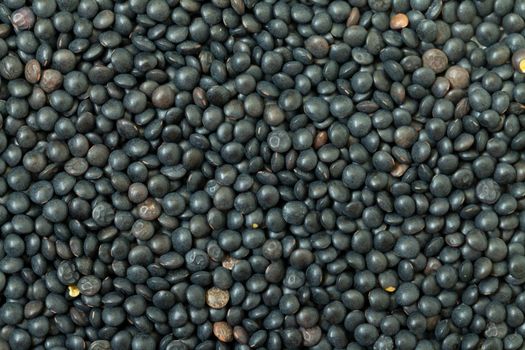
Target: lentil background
pixel 242 174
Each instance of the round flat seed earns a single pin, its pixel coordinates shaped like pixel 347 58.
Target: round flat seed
pixel 223 331
pixel 399 21
pixel 217 298
pixel 51 80
pixel 23 18
pixel 488 191
pixel 436 60
pixel 32 71
pixel 89 285
pixel 149 210
pixel 458 77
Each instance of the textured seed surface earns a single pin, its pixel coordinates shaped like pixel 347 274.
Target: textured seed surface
pixel 436 60
pixel 32 71
pixel 229 262
pixel 51 80
pixel 149 209
pixel 223 331
pixel 217 298
pixel 23 18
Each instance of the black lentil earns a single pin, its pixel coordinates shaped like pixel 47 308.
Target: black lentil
pixel 246 174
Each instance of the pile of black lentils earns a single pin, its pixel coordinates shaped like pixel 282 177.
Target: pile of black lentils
pixel 262 174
